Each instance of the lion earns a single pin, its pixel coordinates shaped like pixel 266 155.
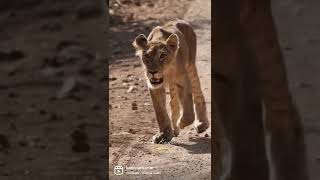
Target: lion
pixel 168 56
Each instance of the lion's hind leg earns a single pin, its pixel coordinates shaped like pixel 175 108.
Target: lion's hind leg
pixel 185 95
pixel 198 98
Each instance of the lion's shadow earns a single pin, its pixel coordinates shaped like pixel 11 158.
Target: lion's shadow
pixel 200 145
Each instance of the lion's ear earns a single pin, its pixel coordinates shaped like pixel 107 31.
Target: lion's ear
pixel 140 42
pixel 173 42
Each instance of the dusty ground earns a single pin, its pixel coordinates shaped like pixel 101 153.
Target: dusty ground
pixel 52 84
pixel 132 119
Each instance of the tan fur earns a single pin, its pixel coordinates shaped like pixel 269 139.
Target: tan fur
pixel 175 40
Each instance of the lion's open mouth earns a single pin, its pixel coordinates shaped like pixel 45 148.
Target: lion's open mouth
pixel 156 80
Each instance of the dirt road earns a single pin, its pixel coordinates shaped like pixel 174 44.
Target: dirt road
pixel 189 155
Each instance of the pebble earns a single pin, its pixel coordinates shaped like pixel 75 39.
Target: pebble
pixel 131 88
pixel 132 131
pixel 112 78
pixel 134 106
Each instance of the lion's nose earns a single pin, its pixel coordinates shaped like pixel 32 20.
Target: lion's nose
pixel 152 72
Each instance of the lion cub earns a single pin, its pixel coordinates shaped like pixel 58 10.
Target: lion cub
pixel 168 56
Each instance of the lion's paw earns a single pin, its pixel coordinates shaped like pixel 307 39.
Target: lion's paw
pixel 176 131
pixel 162 138
pixel 202 126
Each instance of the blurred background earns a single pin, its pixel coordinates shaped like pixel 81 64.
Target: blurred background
pixel 299 34
pixel 53 73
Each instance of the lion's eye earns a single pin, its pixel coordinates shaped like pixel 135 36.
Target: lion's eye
pixel 163 56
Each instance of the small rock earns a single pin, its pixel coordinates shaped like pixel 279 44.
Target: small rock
pixel 134 106
pixel 112 78
pixel 131 88
pixel 131 131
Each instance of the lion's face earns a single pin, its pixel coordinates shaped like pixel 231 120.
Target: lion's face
pixel 157 58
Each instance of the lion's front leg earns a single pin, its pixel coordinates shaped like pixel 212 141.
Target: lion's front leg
pixel 165 134
pixel 175 108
